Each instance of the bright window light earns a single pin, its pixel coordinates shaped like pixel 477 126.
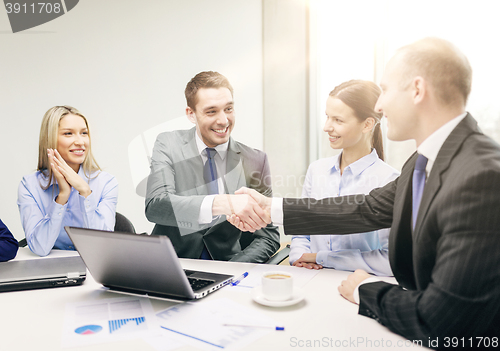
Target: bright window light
pixel 355 39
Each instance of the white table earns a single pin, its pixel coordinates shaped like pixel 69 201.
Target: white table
pixel 32 320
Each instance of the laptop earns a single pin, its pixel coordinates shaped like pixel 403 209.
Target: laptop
pixel 50 272
pixel 141 264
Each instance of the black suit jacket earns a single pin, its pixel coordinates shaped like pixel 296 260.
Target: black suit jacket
pixel 448 269
pixel 8 244
pixel 176 190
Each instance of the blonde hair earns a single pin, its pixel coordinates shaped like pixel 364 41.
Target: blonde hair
pixel 49 132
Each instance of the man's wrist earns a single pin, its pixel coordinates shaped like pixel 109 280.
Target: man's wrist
pixel 231 208
pixel 220 206
pixel 268 204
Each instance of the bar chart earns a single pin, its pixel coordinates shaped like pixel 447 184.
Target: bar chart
pixel 126 323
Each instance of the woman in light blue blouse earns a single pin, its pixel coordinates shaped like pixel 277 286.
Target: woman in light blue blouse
pixel 353 126
pixel 69 188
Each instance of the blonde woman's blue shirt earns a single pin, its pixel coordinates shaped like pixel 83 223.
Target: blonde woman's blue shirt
pixel 368 251
pixel 44 220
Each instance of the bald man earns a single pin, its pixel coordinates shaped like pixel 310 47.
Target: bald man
pixel 443 210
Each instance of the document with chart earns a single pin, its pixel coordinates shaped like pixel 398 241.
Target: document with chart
pixel 106 320
pixel 220 324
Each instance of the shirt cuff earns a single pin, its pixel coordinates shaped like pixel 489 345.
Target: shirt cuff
pixel 322 257
pixel 87 204
pixel 277 211
pixel 57 209
pixel 355 294
pixel 205 216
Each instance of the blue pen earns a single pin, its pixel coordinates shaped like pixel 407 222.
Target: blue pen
pixel 253 326
pixel 239 279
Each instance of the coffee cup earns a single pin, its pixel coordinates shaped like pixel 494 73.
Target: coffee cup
pixel 277 286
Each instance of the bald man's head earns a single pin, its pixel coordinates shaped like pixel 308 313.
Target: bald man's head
pixel 441 64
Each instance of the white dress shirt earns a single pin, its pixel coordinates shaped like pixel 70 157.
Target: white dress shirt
pixel 429 148
pixel 220 163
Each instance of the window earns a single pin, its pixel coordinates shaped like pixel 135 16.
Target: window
pixel 354 40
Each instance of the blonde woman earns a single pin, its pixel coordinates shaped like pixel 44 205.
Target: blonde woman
pixel 69 188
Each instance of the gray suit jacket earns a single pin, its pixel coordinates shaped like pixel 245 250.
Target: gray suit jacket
pixel 176 190
pixel 448 268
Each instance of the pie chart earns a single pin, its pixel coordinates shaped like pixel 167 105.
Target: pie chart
pixel 88 329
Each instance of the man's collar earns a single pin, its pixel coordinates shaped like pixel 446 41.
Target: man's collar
pixel 221 149
pixel 430 147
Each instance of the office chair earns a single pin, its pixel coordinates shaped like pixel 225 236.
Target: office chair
pixel 279 256
pixel 245 239
pixel 123 224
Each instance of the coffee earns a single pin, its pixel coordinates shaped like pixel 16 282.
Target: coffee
pixel 277 276
pixel 277 286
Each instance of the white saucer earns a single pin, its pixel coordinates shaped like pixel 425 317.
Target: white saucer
pixel 298 295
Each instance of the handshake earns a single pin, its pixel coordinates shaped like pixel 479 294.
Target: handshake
pixel 247 209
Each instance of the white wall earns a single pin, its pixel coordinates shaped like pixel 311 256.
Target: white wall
pixel 286 94
pixel 125 64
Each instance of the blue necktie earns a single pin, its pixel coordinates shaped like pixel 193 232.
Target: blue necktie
pixel 210 177
pixel 210 172
pixel 418 185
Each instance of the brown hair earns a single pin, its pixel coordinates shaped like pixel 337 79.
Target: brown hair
pixel 48 140
pixel 208 79
pixel 361 96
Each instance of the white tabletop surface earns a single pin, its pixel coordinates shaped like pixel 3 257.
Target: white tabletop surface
pixel 33 320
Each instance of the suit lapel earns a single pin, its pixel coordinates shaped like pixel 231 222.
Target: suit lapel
pixel 400 239
pixel 450 147
pixel 194 161
pixel 235 176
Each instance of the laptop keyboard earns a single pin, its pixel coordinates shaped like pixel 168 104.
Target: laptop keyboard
pixel 198 284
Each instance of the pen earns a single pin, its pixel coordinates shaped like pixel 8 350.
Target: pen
pixel 239 279
pixel 253 326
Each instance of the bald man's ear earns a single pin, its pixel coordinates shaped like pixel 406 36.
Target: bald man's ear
pixel 419 89
pixel 190 115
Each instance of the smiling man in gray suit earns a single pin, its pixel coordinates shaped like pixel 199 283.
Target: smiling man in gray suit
pixel 443 210
pixel 193 170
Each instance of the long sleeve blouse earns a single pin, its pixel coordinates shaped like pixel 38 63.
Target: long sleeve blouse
pixel 367 251
pixel 43 219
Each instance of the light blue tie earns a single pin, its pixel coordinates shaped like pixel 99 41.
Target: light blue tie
pixel 418 185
